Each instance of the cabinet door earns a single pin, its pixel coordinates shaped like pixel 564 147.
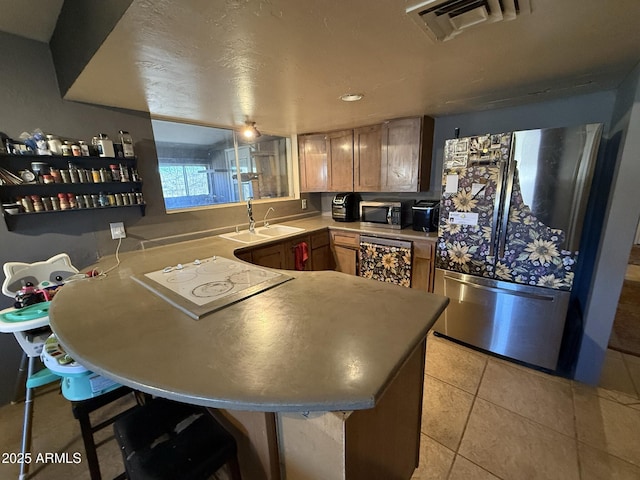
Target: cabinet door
pixel 367 158
pixel 340 161
pixel 422 269
pixel 244 255
pixel 272 256
pixel 290 253
pixel 406 158
pixel 321 256
pixel 312 153
pixel 346 259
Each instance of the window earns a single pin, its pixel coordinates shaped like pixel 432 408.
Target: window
pixel 201 166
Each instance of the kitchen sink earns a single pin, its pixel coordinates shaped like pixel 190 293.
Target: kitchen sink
pixel 261 234
pixel 278 230
pixel 244 236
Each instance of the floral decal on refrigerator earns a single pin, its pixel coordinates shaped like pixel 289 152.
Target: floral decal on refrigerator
pixel 533 251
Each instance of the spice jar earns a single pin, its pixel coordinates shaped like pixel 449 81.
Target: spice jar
pixel 73 203
pixel 55 175
pixel 27 204
pixel 105 146
pixel 115 173
pixel 75 150
pixel 66 177
pixel 66 149
pixel 55 203
pixel 95 175
pixel 127 144
pixel 48 206
pixel 37 203
pixel 55 145
pixel 124 173
pixel 103 200
pixel 84 148
pixel 64 201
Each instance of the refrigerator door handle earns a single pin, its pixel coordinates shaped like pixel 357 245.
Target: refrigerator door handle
pixel 496 209
pixel 505 209
pixel 469 282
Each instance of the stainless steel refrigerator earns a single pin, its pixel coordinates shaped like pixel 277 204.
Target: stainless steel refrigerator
pixel 511 217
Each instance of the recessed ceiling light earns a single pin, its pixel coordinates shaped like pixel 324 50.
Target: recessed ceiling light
pixel 351 97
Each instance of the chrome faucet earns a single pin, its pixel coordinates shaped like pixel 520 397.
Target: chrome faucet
pixel 266 224
pixel 252 222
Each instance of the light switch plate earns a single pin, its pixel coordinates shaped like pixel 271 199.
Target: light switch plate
pixel 117 230
pixel 304 204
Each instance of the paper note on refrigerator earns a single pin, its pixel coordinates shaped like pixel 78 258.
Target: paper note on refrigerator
pixel 477 189
pixel 463 218
pixel 451 185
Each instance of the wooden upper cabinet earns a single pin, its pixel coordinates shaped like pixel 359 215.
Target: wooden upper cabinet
pixel 367 158
pixel 406 154
pixel 392 157
pixel 340 161
pixel 312 154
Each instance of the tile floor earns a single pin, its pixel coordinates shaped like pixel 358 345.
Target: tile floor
pixel 483 419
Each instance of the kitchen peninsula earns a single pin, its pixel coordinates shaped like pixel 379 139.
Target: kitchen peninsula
pixel 338 358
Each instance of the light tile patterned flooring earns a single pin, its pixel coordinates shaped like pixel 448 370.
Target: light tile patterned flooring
pixel 483 419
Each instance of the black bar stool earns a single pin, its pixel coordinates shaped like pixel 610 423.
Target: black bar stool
pixel 170 440
pixel 81 411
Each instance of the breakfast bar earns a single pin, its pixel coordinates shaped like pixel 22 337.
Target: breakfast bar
pixel 316 360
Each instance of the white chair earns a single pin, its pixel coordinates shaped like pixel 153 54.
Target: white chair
pixel 30 326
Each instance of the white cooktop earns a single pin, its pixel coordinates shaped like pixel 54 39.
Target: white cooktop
pixel 204 286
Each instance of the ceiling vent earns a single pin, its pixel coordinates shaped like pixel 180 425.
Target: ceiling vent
pixel 444 19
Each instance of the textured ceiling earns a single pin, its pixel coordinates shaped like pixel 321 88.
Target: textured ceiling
pixel 284 63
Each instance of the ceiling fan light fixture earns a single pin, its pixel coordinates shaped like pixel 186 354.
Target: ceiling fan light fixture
pixel 250 131
pixel 351 97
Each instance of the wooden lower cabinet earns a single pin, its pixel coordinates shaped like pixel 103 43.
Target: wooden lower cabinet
pixel 282 255
pixel 321 256
pixel 272 256
pixel 422 267
pixel 290 253
pixel 345 247
pixel 337 250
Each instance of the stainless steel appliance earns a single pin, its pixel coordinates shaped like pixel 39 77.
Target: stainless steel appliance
pixel 511 217
pixel 387 213
pixel 345 207
pixel 425 216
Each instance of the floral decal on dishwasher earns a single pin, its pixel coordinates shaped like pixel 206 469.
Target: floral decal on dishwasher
pixel 386 263
pixel 533 253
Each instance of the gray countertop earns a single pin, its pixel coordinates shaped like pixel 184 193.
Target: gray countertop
pixel 322 341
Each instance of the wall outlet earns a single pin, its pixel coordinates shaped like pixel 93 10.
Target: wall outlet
pixel 304 203
pixel 117 230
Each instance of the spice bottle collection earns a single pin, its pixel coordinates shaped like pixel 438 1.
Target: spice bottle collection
pixel 43 173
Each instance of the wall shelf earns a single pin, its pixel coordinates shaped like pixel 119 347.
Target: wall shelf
pixel 10 193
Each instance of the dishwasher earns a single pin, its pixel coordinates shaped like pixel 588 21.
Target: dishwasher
pixel 385 260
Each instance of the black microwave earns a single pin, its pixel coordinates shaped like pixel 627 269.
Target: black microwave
pixel 386 213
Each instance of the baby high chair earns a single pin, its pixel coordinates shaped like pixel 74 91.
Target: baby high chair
pixel 32 286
